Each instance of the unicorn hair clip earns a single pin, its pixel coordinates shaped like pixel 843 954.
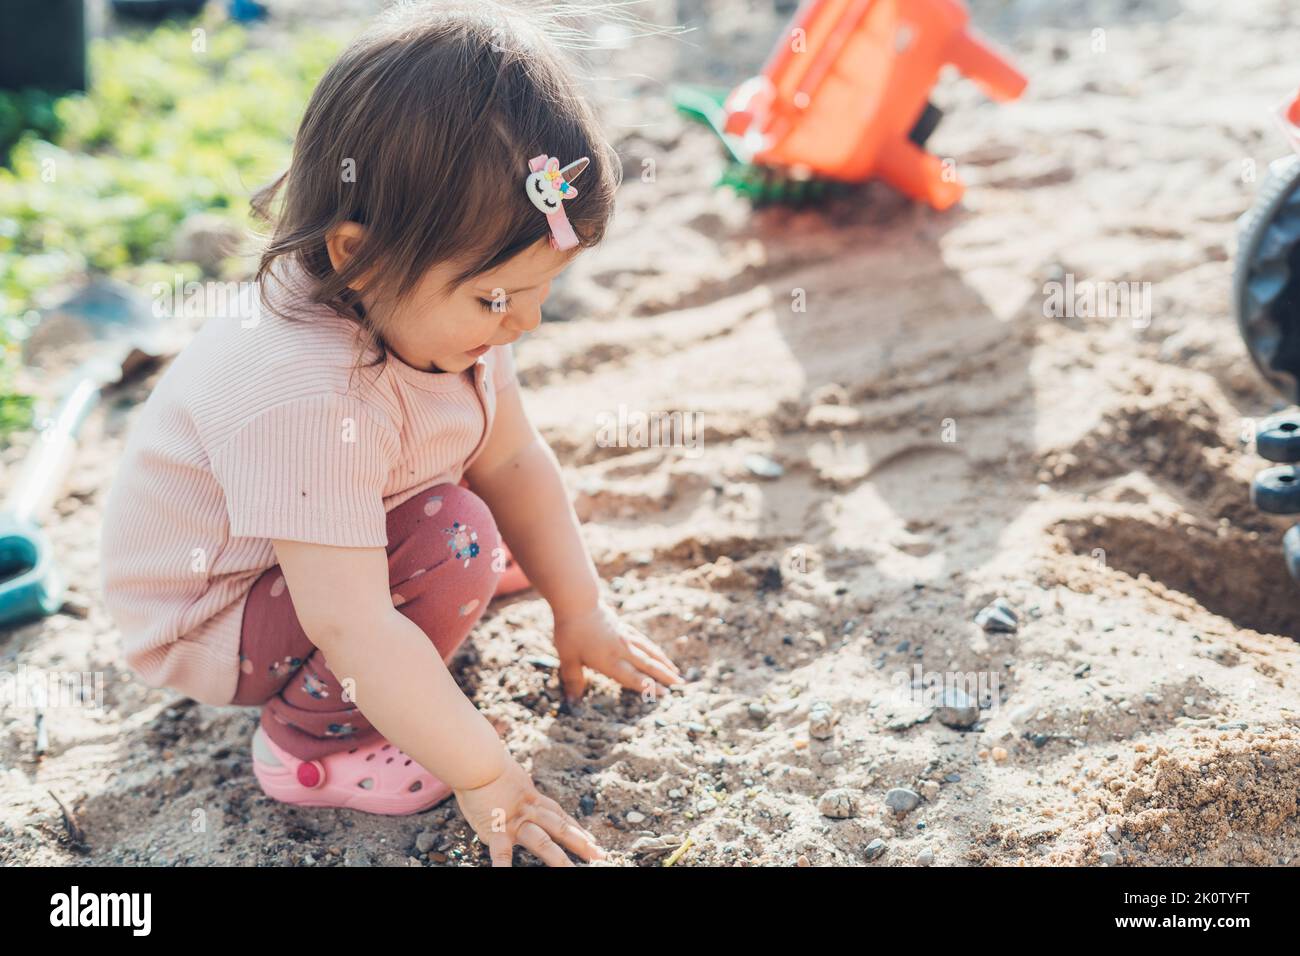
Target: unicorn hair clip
pixel 548 186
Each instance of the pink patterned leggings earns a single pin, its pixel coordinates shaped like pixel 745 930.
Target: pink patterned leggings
pixel 444 560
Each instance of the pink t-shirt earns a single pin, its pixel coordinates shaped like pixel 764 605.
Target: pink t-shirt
pixel 261 429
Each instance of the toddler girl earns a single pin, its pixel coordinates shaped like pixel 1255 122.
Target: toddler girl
pixel 313 506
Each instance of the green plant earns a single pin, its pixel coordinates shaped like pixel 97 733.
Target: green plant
pixel 99 182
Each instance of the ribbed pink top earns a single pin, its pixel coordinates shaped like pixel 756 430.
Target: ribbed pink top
pixel 261 429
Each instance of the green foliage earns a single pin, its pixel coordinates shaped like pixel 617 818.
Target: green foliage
pixel 100 181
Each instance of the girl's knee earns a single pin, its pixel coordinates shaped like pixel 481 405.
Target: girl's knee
pixel 445 523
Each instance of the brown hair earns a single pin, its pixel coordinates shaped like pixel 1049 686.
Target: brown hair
pixel 436 110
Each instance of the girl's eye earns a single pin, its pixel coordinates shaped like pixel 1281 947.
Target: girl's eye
pixel 488 305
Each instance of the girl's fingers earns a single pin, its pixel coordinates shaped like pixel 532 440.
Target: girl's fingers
pixel 570 835
pixel 572 678
pixel 648 665
pixel 501 849
pixel 633 679
pixel 532 837
pixel 554 807
pixel 657 652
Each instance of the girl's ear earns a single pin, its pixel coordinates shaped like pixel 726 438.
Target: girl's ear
pixel 342 242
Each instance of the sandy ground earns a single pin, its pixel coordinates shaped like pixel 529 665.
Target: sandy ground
pixel 943 444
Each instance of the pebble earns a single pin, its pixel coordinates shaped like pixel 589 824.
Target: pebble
pixel 925 857
pixel 953 777
pixel 830 758
pixel 1114 833
pixel 875 848
pixel 707 804
pixel 587 806
pixel 1235 725
pixel 999 754
pixel 821 721
pixel 902 800
pixel 676 794
pixel 999 617
pixel 425 840
pixel 803 861
pixel 1109 858
pixel 634 817
pixel 763 467
pixel 544 661
pixel 757 711
pixel 838 804
pixel 956 709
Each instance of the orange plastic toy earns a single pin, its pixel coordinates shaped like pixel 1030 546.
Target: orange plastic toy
pixel 843 91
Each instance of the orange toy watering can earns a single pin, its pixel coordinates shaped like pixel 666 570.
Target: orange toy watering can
pixel 845 89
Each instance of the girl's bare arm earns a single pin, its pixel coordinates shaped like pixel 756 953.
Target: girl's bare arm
pixel 518 476
pixel 398 680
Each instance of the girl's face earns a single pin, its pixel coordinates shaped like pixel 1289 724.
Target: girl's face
pixel 447 333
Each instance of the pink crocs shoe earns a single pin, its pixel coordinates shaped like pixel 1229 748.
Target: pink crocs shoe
pixel 377 778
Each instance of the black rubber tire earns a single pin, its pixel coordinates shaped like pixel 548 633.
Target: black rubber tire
pixel 1278 439
pixel 1277 490
pixel 1266 279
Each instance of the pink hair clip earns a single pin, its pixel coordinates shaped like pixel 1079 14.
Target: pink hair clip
pixel 548 186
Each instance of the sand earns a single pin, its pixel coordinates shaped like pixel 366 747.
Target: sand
pixel 943 443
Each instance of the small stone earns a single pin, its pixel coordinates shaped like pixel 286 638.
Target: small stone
pixel 634 817
pixel 308 860
pixel 998 617
pixel 707 804
pixel 1114 833
pixel 999 754
pixel 1109 858
pixel 953 777
pixel 1235 725
pixel 543 661
pixel 586 805
pixel 757 711
pixel 929 789
pixel 426 840
pixel 830 758
pixel 925 857
pixel 763 467
pixel 821 721
pixel 802 861
pixel 956 709
pixel 875 848
pixel 675 794
pixel 838 804
pixel 902 800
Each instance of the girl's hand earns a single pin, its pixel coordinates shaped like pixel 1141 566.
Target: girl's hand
pixel 599 640
pixel 509 810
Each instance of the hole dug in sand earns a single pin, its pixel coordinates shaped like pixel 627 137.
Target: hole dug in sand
pixel 1226 571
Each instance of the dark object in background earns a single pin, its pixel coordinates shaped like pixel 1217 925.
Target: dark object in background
pixel 157 9
pixel 1267 279
pixel 43 45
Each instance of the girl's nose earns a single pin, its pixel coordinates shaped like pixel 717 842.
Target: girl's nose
pixel 525 318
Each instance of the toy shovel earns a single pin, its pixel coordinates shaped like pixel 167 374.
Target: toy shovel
pixel 30 584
